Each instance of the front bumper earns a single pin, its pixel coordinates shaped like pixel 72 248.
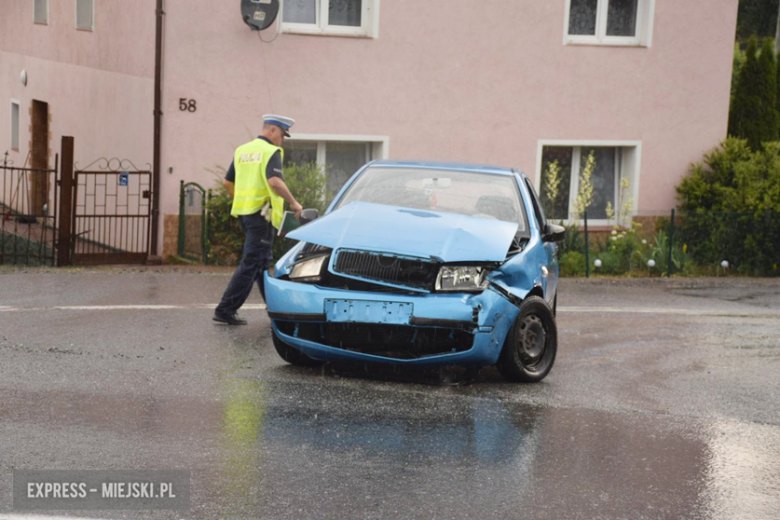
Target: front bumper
pixel 479 322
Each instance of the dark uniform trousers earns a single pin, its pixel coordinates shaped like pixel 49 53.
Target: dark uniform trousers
pixel 255 260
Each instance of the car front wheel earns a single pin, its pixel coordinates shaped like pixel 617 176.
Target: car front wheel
pixel 530 347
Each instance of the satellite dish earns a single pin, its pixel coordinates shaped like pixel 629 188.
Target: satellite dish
pixel 259 14
pixel 23 77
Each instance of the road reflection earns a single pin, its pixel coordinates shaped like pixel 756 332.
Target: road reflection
pixel 347 447
pixel 268 449
pixel 743 474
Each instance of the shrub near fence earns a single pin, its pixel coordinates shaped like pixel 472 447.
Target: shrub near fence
pixel 750 242
pixel 307 182
pixel 731 207
pixel 691 244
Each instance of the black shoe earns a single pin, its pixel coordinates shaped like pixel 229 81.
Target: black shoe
pixel 228 319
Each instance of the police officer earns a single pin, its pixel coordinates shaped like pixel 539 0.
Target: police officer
pixel 255 182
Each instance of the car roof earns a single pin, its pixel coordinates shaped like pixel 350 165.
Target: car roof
pixel 475 168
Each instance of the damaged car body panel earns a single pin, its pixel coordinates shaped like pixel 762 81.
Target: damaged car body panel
pixel 440 329
pixel 445 237
pixel 421 264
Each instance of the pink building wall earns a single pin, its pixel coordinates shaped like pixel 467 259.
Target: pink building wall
pixel 449 80
pixel 98 84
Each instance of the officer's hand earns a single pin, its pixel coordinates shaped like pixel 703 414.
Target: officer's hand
pixel 297 208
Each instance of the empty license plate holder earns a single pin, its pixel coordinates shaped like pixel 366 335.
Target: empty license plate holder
pixel 366 311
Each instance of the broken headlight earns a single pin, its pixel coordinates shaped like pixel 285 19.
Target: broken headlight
pixel 462 278
pixel 308 270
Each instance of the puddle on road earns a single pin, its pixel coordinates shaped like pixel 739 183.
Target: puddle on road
pixel 751 296
pixel 378 450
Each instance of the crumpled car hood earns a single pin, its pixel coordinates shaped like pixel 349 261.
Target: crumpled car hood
pixel 445 237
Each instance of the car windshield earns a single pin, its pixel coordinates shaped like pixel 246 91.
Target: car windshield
pixel 450 191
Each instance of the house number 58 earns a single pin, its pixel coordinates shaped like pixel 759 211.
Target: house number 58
pixel 187 105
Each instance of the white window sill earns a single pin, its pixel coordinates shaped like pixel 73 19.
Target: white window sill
pixel 345 32
pixel 596 225
pixel 605 43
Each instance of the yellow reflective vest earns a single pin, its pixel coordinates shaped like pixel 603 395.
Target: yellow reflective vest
pixel 251 190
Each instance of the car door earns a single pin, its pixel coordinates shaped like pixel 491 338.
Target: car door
pixel 550 248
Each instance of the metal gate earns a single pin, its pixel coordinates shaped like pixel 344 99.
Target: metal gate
pixel 112 207
pixel 193 222
pixel 28 213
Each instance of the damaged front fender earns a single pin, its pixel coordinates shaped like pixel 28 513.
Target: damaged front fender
pixel 521 273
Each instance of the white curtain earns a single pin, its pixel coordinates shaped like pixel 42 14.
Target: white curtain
pixel 582 17
pixel 603 180
pixel 558 208
pixel 344 12
pixel 41 11
pixel 621 17
pixel 343 160
pixel 84 14
pixel 296 152
pixel 300 11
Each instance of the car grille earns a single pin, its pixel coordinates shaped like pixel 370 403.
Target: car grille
pixel 389 341
pixel 386 268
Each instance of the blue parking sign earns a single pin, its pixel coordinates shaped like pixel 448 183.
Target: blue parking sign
pixel 124 177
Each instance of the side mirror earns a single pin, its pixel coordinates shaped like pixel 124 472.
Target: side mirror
pixel 308 215
pixel 553 233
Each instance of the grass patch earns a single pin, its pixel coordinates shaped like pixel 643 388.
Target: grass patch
pixel 15 250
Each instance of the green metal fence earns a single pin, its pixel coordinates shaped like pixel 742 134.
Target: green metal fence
pixel 666 243
pixel 749 242
pixel 193 222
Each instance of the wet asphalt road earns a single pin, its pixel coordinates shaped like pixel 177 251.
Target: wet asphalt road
pixel 664 402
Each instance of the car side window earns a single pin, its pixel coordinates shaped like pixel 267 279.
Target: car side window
pixel 540 218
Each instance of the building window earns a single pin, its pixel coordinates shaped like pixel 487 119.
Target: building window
pixel 340 158
pixel 609 22
pixel 15 125
pixel 85 15
pixel 614 178
pixel 331 17
pixel 41 12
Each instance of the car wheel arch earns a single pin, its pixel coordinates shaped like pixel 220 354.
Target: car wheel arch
pixel 536 291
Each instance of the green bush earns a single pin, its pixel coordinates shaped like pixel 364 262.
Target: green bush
pixel 572 241
pixel 659 253
pixel 20 250
pixel 753 113
pixel 623 251
pixel 572 263
pixel 731 207
pixel 611 263
pixel 756 17
pixel 739 61
pixel 226 239
pixel 307 183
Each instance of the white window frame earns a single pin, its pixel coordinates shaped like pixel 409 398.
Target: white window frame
pixel 380 145
pixel 92 22
pixel 47 12
pixel 644 27
pixel 369 18
pixel 16 130
pixel 630 169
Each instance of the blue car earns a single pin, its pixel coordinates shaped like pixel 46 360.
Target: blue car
pixel 424 264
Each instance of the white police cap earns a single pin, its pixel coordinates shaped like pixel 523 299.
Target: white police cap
pixel 282 122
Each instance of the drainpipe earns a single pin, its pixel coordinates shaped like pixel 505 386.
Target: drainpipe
pixel 157 124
